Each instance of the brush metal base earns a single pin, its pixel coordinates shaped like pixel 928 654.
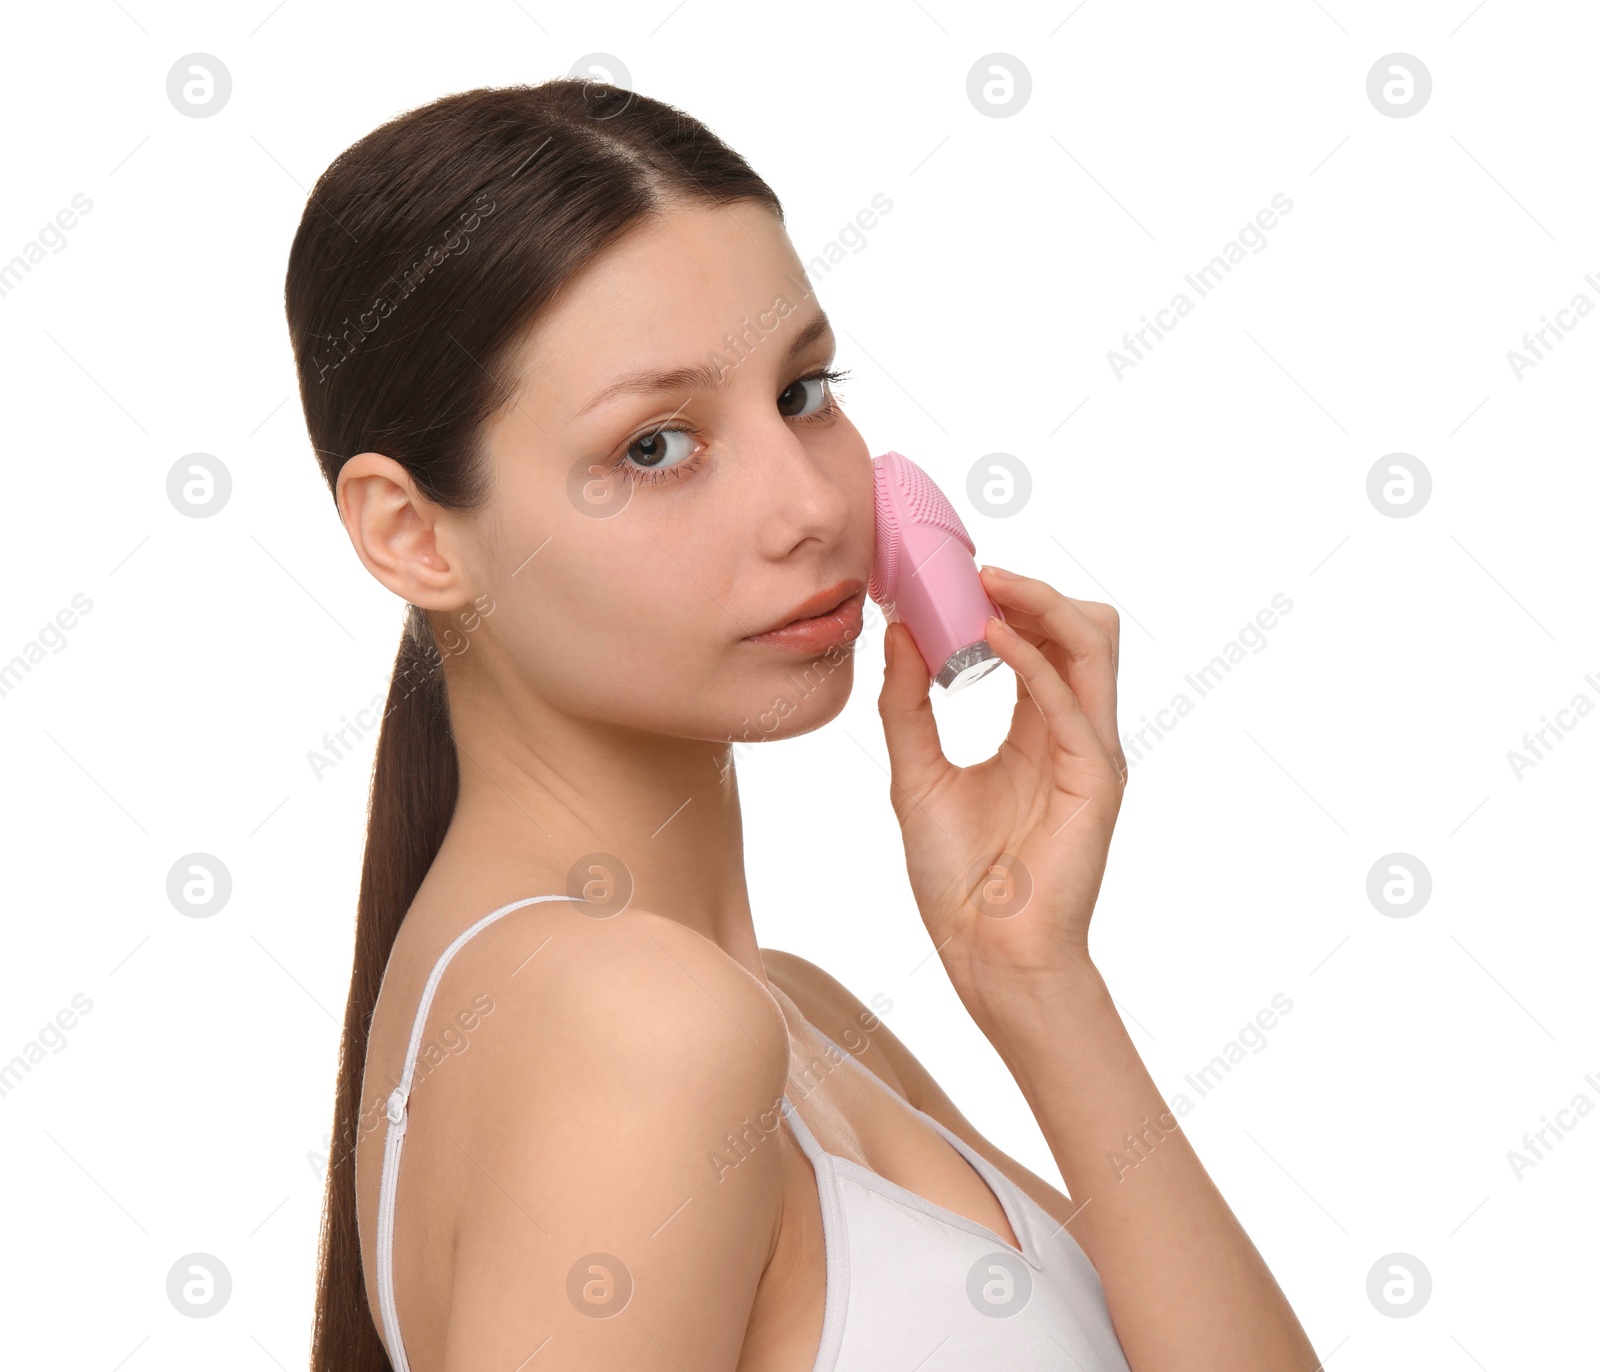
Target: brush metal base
pixel 966 665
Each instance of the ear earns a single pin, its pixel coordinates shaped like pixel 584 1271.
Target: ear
pixel 402 538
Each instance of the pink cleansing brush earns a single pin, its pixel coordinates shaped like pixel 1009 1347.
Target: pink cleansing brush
pixel 924 575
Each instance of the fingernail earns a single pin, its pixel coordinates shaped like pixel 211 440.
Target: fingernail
pixel 999 571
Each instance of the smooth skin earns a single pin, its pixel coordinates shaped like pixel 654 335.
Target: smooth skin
pixel 594 1171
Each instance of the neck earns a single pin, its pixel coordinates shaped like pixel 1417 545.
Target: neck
pixel 559 804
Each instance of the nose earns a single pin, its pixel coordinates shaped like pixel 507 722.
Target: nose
pixel 793 495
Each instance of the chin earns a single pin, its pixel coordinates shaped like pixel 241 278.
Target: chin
pixel 798 697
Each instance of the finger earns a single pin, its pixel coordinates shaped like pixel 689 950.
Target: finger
pixel 1109 620
pixel 916 759
pixel 1089 644
pixel 1078 756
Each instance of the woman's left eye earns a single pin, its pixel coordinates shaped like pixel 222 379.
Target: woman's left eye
pixel 810 395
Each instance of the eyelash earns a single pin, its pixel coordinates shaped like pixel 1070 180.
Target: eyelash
pixel 640 476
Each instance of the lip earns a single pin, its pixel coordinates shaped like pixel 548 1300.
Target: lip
pixel 828 619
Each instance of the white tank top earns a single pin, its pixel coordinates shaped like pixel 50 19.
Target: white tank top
pixel 908 1282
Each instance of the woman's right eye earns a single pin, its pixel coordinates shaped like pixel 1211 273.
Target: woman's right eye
pixel 657 454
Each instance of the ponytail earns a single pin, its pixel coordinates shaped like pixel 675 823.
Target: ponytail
pixel 413 795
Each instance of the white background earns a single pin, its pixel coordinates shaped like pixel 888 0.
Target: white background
pixel 187 1109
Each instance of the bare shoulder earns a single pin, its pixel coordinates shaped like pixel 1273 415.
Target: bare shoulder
pixel 838 1011
pixel 636 998
pixel 587 1143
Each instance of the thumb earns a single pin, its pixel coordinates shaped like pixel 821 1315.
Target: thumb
pixel 916 759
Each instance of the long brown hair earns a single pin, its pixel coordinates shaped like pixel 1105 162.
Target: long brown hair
pixel 425 252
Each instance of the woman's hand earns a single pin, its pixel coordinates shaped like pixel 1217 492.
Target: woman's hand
pixel 1005 857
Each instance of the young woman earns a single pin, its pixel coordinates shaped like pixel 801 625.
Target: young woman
pixel 572 393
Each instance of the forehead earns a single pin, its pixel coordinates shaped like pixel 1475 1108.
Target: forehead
pixel 670 293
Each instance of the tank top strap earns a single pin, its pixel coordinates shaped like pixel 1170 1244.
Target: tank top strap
pixel 864 1070
pixel 803 1135
pixel 394 1138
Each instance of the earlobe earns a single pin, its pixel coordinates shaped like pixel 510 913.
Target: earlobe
pixel 399 535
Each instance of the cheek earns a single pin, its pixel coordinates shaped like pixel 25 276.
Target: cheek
pixel 845 451
pixel 627 604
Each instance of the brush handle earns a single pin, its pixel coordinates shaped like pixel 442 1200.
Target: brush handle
pixel 924 574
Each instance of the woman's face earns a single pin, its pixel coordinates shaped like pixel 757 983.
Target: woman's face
pixel 644 527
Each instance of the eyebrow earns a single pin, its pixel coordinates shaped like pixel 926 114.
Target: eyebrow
pixel 703 377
